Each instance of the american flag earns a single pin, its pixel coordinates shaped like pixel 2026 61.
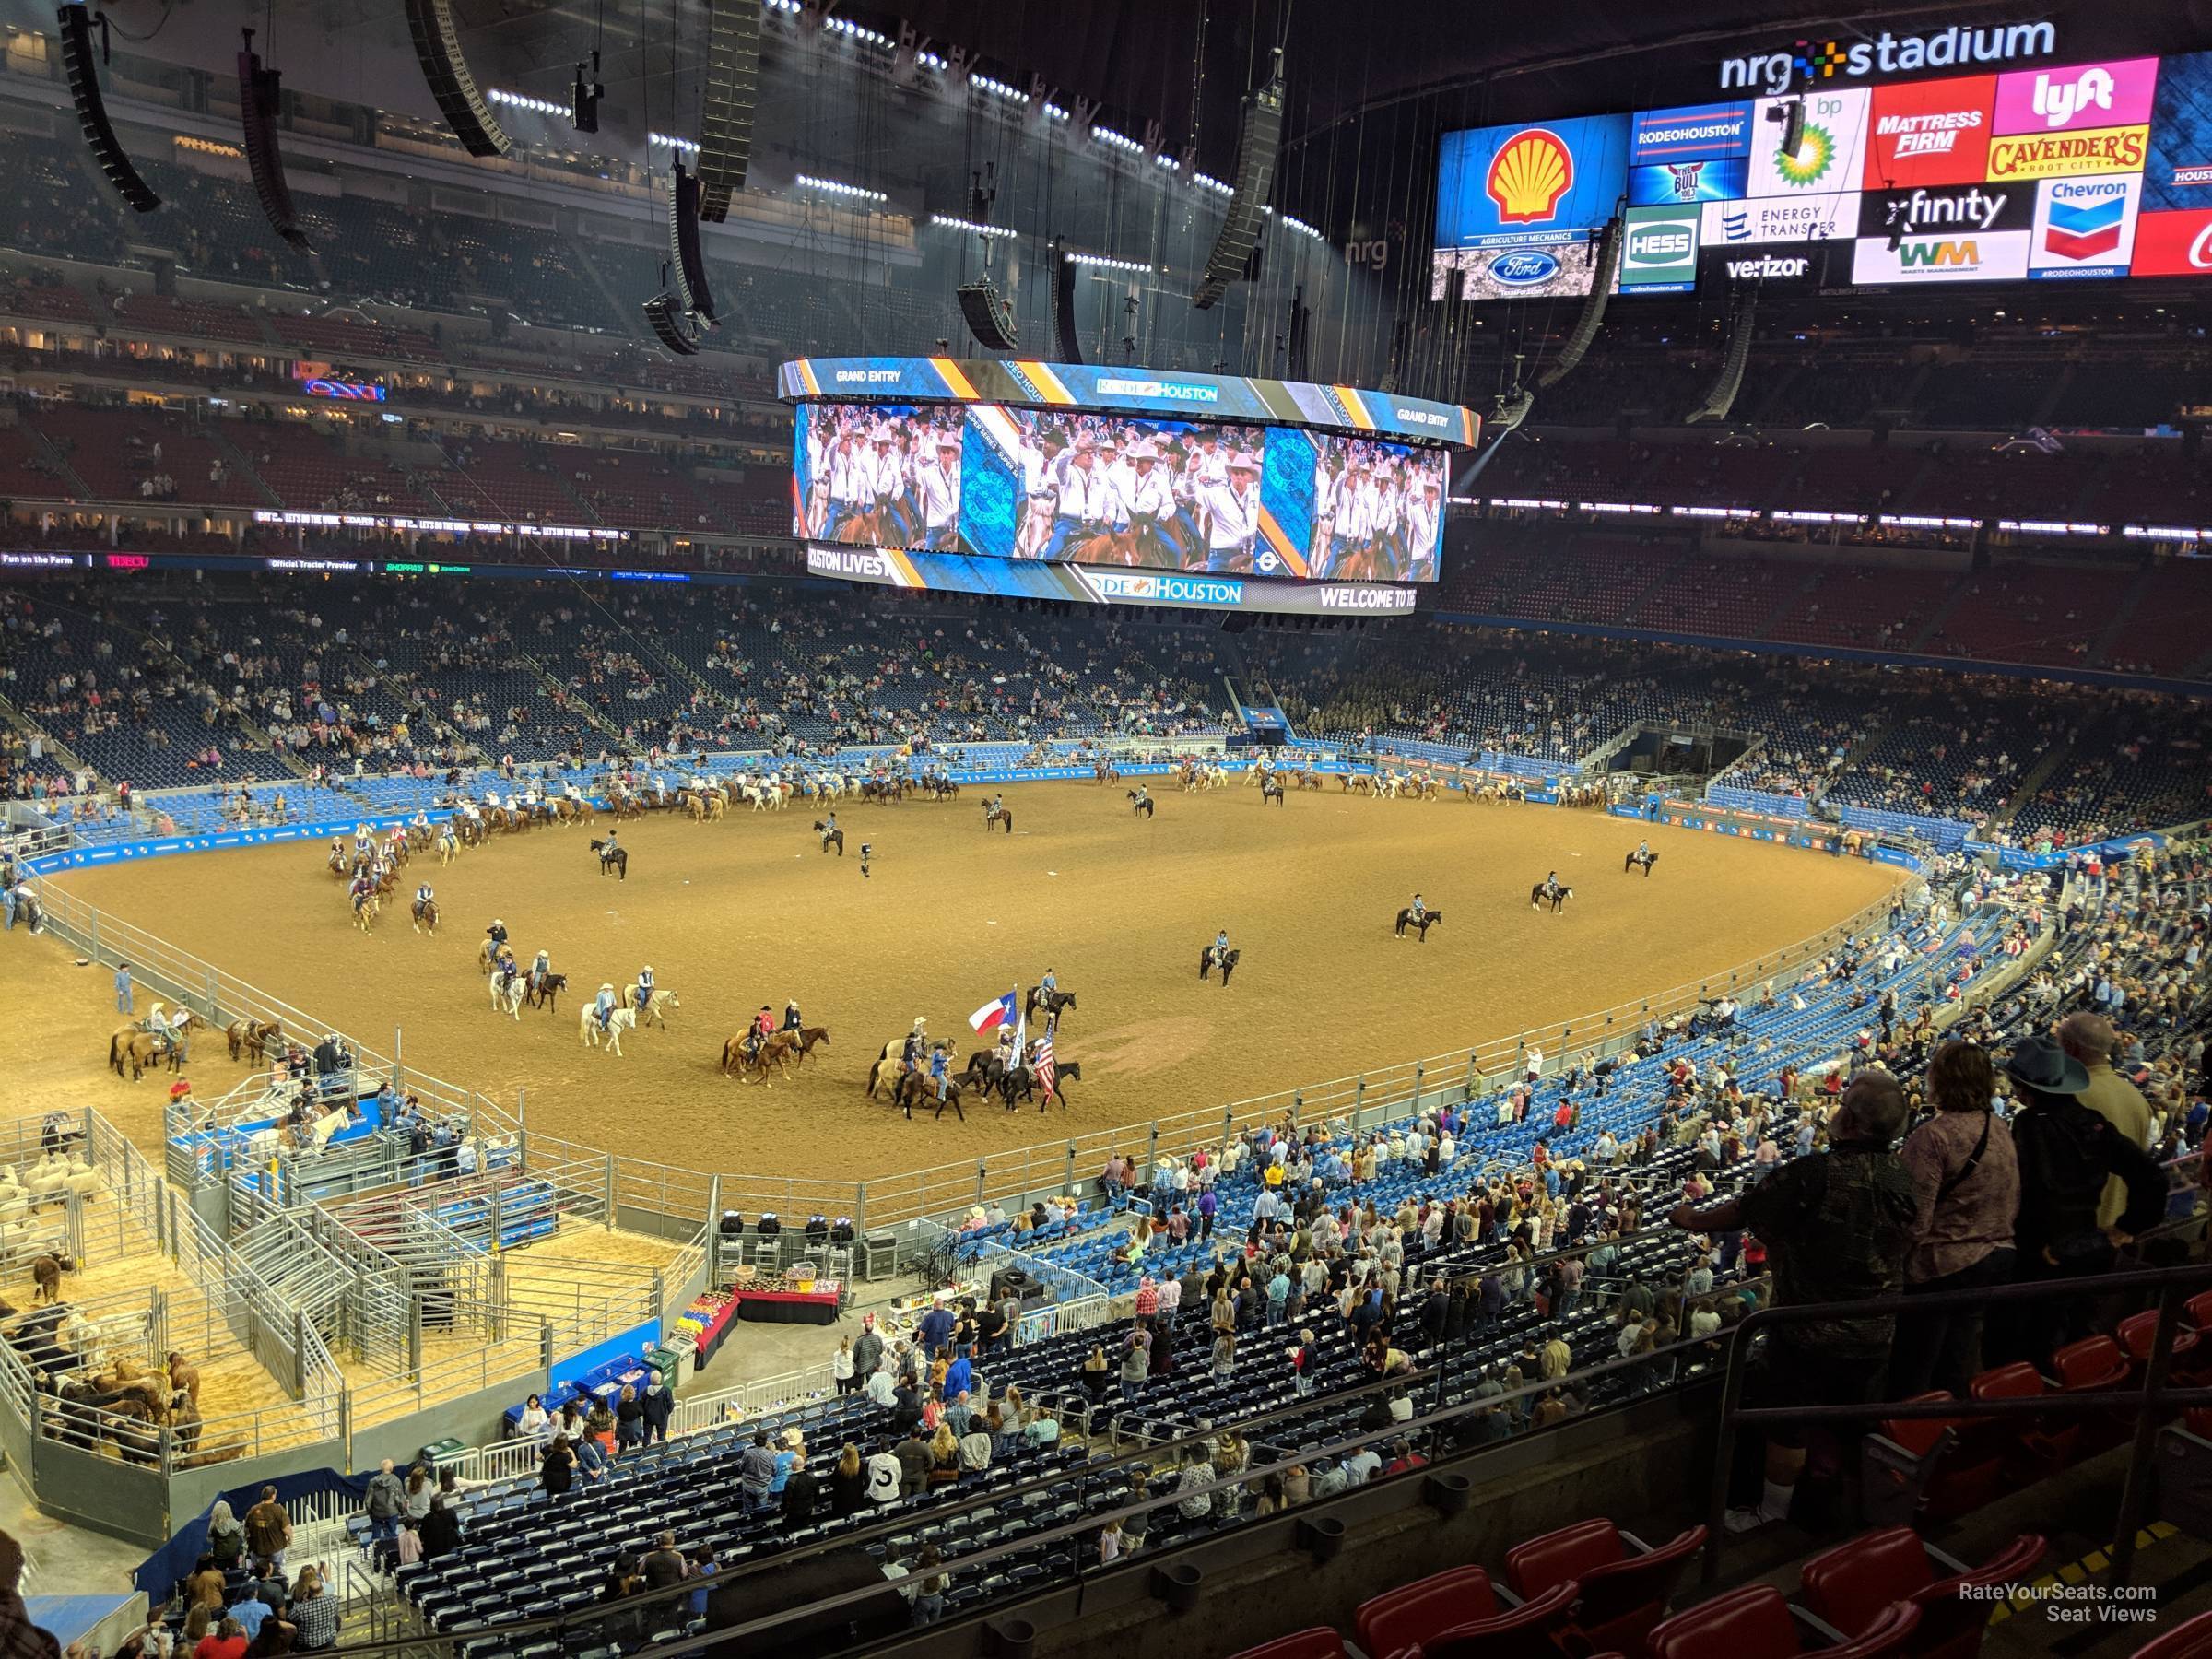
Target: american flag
pixel 1042 1064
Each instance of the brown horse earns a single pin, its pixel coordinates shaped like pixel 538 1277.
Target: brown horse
pixel 755 1068
pixel 249 1039
pixel 810 1037
pixel 999 815
pixel 144 1051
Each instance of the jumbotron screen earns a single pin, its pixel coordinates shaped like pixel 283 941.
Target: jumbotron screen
pixel 1088 473
pixel 2024 170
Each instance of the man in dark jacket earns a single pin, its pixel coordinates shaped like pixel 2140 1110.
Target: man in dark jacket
pixel 657 1406
pixel 1837 1227
pixel 2067 1153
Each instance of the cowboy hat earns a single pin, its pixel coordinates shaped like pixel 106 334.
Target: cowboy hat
pixel 2040 1066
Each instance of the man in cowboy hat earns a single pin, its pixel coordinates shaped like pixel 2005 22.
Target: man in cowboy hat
pixel 603 1005
pixel 1234 515
pixel 2066 1153
pixel 937 481
pixel 1151 504
pixel 1086 504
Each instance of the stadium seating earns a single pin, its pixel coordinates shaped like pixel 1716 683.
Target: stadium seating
pixel 1854 1585
pixel 1755 1623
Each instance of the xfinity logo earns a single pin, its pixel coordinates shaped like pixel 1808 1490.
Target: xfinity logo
pixel 1745 270
pixel 1167 389
pixel 1365 599
pixel 1927 209
pixel 1776 73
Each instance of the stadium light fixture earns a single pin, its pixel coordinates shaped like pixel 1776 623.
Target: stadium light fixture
pixel 669 141
pixel 1106 263
pixel 998 88
pixel 1120 141
pixel 1207 182
pixel 1052 111
pixel 946 221
pixel 1300 226
pixel 518 100
pixel 858 193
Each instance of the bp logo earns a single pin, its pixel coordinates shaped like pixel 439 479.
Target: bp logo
pixel 1808 164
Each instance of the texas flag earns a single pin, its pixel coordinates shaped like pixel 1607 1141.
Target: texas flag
pixel 995 1013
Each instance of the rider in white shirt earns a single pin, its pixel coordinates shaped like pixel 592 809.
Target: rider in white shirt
pixel 1234 512
pixel 938 482
pixel 1086 502
pixel 1149 500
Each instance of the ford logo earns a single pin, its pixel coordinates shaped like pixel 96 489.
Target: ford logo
pixel 1523 270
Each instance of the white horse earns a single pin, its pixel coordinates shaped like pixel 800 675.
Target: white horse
pixel 1216 777
pixel 587 1030
pixel 832 785
pixel 655 1012
pixel 448 844
pixel 507 993
pixel 764 797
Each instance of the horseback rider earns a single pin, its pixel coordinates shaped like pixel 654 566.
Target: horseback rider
pixel 644 987
pixel 829 826
pixel 758 1033
pixel 541 966
pixel 604 1006
pixel 940 1069
pixel 912 1050
pixel 1047 985
pixel 791 1015
pixel 1417 907
pixel 1221 946
pixel 496 934
pixel 607 848
pixel 423 895
pixel 1644 852
pixel 1551 885
pixel 1142 800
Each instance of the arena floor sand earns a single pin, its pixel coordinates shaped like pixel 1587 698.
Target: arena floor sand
pixel 746 912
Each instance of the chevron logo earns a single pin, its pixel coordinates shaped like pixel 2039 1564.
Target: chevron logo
pixel 2086 229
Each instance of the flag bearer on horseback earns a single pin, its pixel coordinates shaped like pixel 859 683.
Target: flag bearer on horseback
pixel 604 1006
pixel 644 987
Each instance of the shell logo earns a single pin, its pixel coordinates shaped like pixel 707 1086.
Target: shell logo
pixel 1529 174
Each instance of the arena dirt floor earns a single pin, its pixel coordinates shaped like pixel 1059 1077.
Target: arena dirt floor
pixel 746 912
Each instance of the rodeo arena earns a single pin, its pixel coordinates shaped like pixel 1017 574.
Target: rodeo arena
pixel 990 830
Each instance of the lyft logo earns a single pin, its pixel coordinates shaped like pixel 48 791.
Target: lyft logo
pixel 2059 102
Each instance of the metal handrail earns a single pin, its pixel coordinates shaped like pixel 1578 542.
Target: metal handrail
pixel 2169 1282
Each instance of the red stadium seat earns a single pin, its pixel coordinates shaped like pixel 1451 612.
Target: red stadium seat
pixel 2096 1365
pixel 1853 1584
pixel 2199 1309
pixel 2191 1641
pixel 1931 1467
pixel 2033 1448
pixel 1755 1623
pixel 1320 1642
pixel 1624 1585
pixel 2138 1334
pixel 1464 1605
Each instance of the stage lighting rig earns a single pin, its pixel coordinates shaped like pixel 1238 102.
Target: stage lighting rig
pixel 91 107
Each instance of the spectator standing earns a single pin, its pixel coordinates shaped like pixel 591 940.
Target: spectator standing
pixel 2090 1039
pixel 269 1532
pixel 1966 1182
pixel 1837 1227
pixel 383 1504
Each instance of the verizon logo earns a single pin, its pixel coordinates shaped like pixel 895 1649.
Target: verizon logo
pixel 1749 270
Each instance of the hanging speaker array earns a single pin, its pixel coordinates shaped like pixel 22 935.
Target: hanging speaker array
pixel 260 98
pixel 726 115
pixel 1065 328
pixel 438 49
pixel 83 74
pixel 1259 138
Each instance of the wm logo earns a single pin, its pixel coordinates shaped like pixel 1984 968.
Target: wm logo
pixel 1965 254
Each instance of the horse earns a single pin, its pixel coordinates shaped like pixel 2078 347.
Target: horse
pixel 614 858
pixel 917 1086
pixel 830 838
pixel 544 995
pixel 998 815
pixel 1647 861
pixel 1355 783
pixel 1307 780
pixel 507 993
pixel 810 1038
pixel 1021 1082
pixel 1228 963
pixel 1104 772
pixel 146 1050
pixel 1053 1003
pixel 1538 894
pixel 588 1030
pixel 1428 919
pixel 365 908
pixel 1272 791
pixel 1144 806
pixel 426 916
pixel 249 1039
pixel 656 1009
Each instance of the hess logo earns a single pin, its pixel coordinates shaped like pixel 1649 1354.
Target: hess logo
pixel 2058 101
pixel 1661 244
pixel 1531 172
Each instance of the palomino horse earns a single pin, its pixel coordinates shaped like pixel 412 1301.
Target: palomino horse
pixel 756 1067
pixel 1428 919
pixel 1144 806
pixel 656 1010
pixel 588 1030
pixel 365 909
pixel 448 844
pixel 998 815
pixel 249 1039
pixel 830 838
pixel 507 994
pixel 1647 861
pixel 1227 960
pixel 425 911
pixel 612 858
